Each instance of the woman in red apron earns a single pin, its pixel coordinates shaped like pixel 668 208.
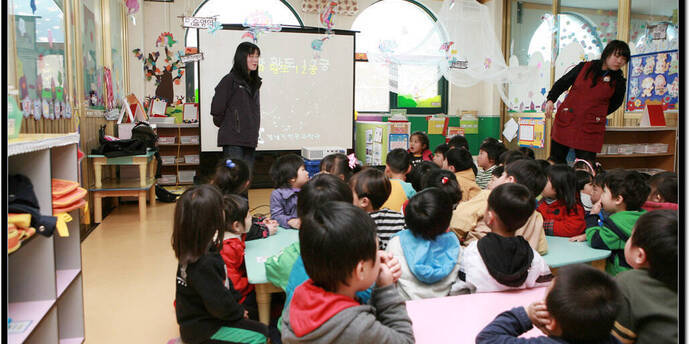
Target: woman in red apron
pixel 597 89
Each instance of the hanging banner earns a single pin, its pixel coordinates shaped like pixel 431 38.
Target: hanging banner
pixel 198 22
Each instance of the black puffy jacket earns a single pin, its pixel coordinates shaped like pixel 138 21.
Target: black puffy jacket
pixel 236 111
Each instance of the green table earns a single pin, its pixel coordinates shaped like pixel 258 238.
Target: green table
pixel 563 252
pixel 255 254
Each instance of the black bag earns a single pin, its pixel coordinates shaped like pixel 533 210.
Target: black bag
pixel 164 195
pixel 143 132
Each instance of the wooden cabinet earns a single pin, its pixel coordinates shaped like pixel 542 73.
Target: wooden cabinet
pixel 179 147
pixel 640 135
pixel 44 278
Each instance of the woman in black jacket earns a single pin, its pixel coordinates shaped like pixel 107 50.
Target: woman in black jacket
pixel 236 108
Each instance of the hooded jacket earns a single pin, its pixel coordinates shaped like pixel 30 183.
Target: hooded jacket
pixel 315 315
pixel 496 263
pixel 468 224
pixel 468 185
pixel 559 221
pixel 284 205
pixel 236 110
pixel 651 206
pixel 612 235
pixel 429 267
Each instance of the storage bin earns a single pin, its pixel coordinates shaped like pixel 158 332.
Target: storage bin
pixel 612 149
pixel 625 149
pixel 191 158
pixel 189 139
pixel 186 176
pixel 166 140
pixel 659 148
pixel 168 160
pixel 312 166
pixel 640 148
pixel 167 179
pixel 604 148
pixel 179 160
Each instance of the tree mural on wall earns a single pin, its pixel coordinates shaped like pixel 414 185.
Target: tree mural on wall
pixel 163 72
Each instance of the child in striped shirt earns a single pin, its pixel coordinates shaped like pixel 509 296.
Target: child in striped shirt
pixel 370 189
pixel 489 152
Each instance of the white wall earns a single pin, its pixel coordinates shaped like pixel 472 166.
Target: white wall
pixel 154 18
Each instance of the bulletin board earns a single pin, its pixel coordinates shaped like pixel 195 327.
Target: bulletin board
pixel 653 77
pixel 371 142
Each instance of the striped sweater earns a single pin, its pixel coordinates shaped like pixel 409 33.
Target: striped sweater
pixel 484 177
pixel 388 222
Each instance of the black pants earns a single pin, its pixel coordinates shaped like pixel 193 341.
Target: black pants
pixel 559 152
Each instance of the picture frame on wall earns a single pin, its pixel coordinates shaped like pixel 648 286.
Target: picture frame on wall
pixel 190 112
pixel 653 78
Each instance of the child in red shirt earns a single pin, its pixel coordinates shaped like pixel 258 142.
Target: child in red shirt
pixel 561 209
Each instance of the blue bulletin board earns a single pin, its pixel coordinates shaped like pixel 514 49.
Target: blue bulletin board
pixel 653 77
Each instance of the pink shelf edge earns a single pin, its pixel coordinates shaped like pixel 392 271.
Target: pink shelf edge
pixel 31 310
pixel 76 340
pixel 63 278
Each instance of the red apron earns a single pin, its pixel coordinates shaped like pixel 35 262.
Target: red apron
pixel 581 120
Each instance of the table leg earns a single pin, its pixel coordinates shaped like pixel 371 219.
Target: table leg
pixel 97 174
pixel 263 299
pixel 97 208
pixel 152 195
pixel 142 205
pixel 600 264
pixel 142 174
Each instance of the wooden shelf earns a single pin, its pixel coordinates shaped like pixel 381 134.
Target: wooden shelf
pixel 24 243
pixel 176 144
pixel 180 183
pixel 177 125
pixel 637 155
pixel 641 128
pixel 22 311
pixel 63 278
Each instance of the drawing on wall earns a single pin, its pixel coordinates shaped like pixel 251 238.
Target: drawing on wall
pixel 653 77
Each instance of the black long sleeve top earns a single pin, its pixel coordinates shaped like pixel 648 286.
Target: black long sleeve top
pixel 567 80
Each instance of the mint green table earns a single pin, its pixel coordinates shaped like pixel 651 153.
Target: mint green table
pixel 255 254
pixel 563 252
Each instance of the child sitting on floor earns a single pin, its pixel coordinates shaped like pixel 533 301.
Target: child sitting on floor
pixel 561 209
pixel 583 185
pixel 444 180
pixel 440 156
pixel 340 165
pixel 624 194
pixel 649 313
pixel 397 166
pixel 487 160
pixel 288 174
pixel 232 178
pixel 324 308
pixel 238 220
pixel 664 192
pixel 370 188
pixel 417 174
pixel 207 307
pixel 428 253
pixel 467 221
pixel 501 260
pixel 460 162
pixel 580 307
pixel 419 148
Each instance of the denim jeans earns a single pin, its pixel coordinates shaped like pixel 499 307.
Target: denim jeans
pixel 240 152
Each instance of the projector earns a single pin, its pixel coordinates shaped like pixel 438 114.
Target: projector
pixel 318 153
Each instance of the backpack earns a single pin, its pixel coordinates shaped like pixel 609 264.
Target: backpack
pixel 143 132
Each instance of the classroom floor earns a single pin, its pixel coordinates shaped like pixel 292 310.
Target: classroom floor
pixel 128 269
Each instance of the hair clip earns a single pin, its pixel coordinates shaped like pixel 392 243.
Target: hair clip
pixel 352 160
pixel 444 180
pixel 229 163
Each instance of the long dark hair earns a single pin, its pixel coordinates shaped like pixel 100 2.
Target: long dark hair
pixel 614 47
pixel 239 66
pixel 563 180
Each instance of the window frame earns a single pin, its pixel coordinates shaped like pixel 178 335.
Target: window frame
pixel 442 82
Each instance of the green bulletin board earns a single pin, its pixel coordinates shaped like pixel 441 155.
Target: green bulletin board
pixel 361 129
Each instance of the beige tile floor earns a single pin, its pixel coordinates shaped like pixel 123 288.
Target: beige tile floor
pixel 129 275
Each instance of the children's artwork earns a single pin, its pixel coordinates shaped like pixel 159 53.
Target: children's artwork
pixel 531 132
pixel 378 134
pixel 436 125
pixel 452 131
pixel 158 108
pixel 398 141
pixel 510 130
pixel 653 77
pixel 133 108
pixel 400 127
pixel 369 136
pixel 190 112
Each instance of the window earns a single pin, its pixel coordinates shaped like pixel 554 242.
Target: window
pixel 406 30
pixel 235 12
pixel 572 28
